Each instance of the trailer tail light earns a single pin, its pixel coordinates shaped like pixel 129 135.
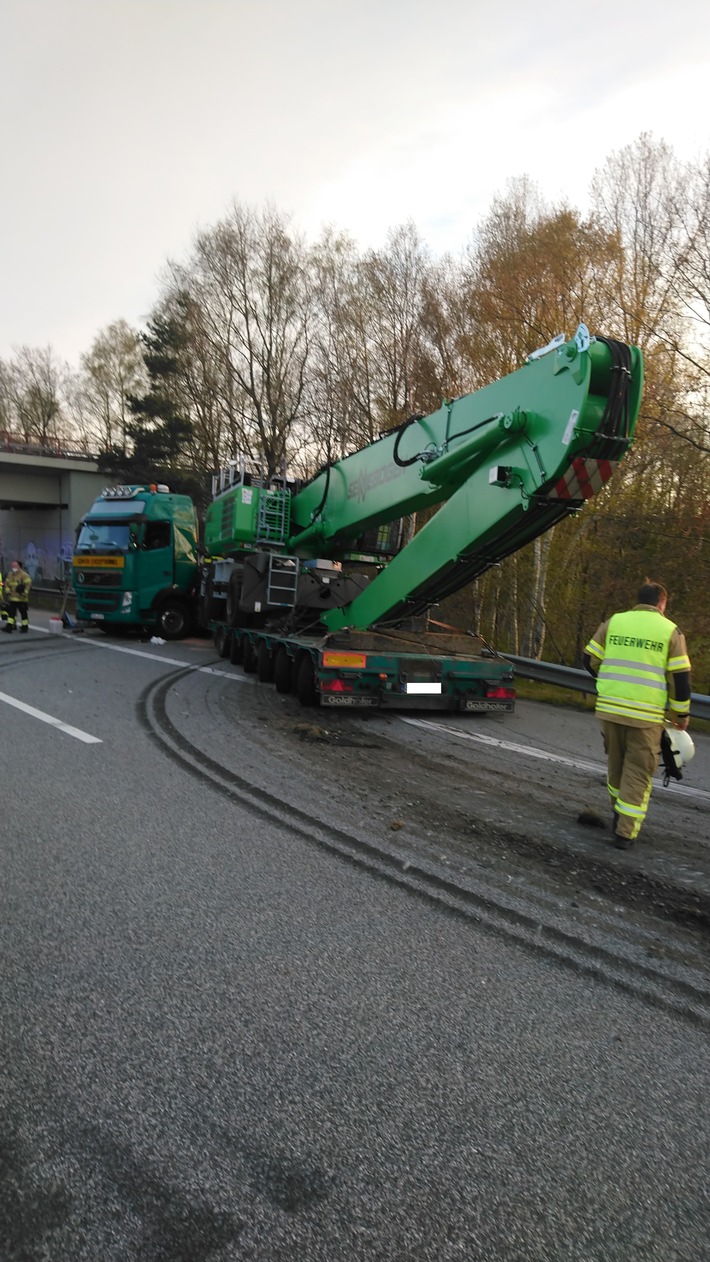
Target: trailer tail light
pixel 335 685
pixel 495 692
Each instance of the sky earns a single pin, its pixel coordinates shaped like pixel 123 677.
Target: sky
pixel 127 126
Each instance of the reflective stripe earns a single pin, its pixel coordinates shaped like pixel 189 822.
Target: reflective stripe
pixel 679 663
pixel 645 668
pixel 626 710
pixel 625 808
pixel 583 479
pixel 635 679
pixel 595 648
pixel 636 813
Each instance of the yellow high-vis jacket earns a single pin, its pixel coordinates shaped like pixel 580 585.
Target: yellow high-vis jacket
pixel 642 667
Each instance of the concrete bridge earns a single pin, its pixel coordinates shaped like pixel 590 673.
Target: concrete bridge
pixel 43 494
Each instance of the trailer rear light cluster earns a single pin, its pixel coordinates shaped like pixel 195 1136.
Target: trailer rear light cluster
pixel 495 692
pixel 336 685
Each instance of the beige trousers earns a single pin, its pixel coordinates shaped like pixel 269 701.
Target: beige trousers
pixel 632 758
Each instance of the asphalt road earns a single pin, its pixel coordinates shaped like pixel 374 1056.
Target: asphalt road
pixel 223 1041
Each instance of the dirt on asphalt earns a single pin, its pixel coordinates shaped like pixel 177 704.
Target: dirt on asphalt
pixel 534 821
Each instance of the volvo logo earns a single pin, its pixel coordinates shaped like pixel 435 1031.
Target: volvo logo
pixel 81 577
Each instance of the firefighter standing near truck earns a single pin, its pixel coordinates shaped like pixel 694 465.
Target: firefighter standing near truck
pixel 642 669
pixel 17 591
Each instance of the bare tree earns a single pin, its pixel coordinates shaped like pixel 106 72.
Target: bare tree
pixel 337 379
pixel 33 384
pixel 659 290
pixel 6 396
pixel 112 371
pixel 249 281
pixel 394 279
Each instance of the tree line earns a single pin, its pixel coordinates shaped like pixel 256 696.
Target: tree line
pixel 296 353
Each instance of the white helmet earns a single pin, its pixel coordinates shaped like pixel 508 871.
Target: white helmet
pixel 682 746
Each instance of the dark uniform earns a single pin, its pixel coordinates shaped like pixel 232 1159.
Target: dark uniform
pixel 17 591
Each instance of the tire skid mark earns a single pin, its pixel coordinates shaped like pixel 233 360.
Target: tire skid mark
pixel 486 909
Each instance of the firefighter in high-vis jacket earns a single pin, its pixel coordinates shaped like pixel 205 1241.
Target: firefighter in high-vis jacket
pixel 642 669
pixel 17 592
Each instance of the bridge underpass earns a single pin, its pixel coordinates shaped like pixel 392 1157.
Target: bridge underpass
pixel 42 498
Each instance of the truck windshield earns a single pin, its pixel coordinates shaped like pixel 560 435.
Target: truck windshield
pixel 111 536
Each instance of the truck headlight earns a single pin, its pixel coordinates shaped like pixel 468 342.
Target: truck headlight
pixel 127 602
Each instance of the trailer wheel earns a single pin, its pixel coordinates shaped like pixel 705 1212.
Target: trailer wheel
pixel 264 663
pixel 221 641
pixel 283 670
pixel 173 620
pixel 236 648
pixel 306 682
pixel 248 657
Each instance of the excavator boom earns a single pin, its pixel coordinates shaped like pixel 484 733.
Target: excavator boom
pixel 506 463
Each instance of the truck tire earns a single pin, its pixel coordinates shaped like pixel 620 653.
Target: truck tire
pixel 283 670
pixel 236 648
pixel 173 620
pixel 221 641
pixel 305 682
pixel 248 657
pixel 264 663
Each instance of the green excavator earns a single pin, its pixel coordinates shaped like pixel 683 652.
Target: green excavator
pixel 297 576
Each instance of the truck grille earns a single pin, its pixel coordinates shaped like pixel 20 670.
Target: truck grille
pixel 100 602
pixel 97 578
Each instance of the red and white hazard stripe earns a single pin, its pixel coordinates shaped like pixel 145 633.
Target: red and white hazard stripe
pixel 583 479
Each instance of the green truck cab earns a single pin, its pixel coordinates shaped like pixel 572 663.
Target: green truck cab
pixel 135 561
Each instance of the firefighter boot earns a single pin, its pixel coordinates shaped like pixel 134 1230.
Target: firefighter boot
pixel 8 629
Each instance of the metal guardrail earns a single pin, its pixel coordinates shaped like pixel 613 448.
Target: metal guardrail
pixel 580 681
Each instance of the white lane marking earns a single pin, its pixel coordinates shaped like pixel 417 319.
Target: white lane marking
pixel 50 719
pixel 153 657
pixel 530 751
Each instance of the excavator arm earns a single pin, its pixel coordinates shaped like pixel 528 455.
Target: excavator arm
pixel 506 463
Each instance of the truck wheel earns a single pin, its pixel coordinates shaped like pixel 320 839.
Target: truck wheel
pixel 264 664
pixel 248 657
pixel 221 641
pixel 173 620
pixel 305 682
pixel 283 670
pixel 236 648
